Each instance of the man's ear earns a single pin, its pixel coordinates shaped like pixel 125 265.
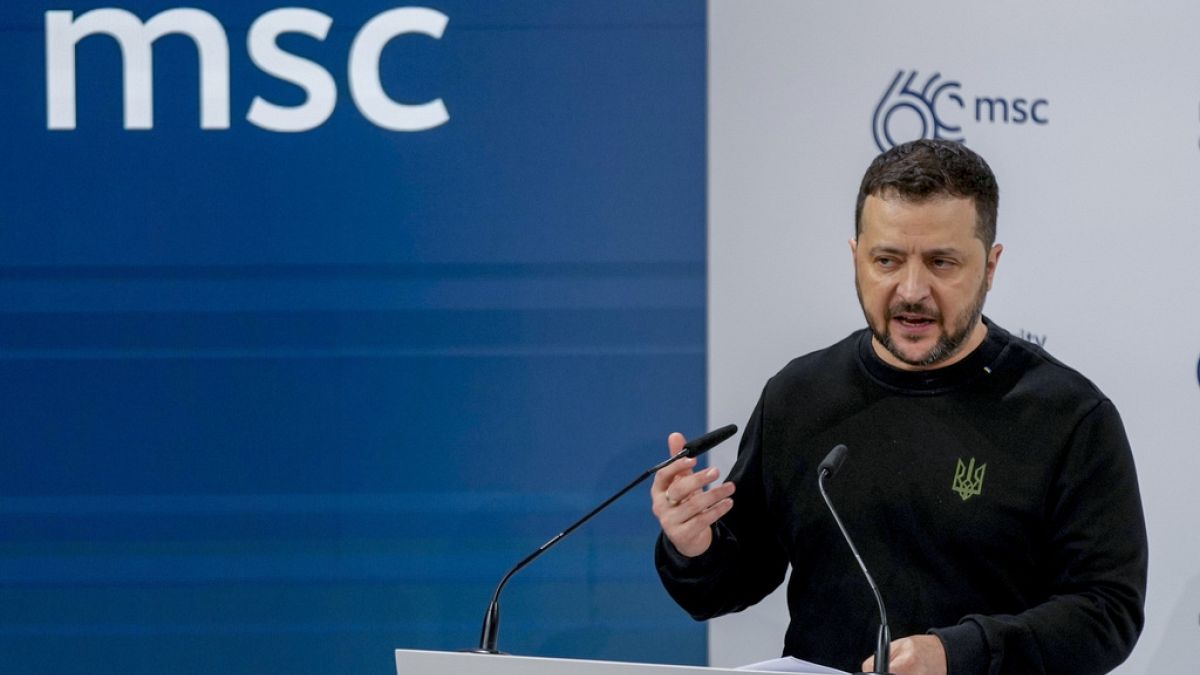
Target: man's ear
pixel 992 260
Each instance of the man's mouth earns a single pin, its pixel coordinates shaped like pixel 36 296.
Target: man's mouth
pixel 916 321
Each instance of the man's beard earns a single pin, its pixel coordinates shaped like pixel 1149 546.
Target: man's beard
pixel 949 342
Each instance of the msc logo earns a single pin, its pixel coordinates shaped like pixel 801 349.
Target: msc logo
pixel 136 38
pixel 911 109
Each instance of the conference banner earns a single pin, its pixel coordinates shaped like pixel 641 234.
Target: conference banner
pixel 316 318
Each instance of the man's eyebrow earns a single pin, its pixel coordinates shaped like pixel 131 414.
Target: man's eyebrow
pixel 947 251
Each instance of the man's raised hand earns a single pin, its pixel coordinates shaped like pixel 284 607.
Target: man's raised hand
pixel 685 510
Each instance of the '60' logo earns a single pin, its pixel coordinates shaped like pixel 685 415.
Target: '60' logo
pixel 910 110
pixel 904 99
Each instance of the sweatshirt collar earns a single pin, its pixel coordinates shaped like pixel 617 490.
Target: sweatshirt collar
pixel 976 364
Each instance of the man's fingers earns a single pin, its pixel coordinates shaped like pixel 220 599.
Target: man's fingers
pixel 697 501
pixel 703 520
pixel 683 486
pixel 665 477
pixel 698 505
pixel 679 497
pixel 675 443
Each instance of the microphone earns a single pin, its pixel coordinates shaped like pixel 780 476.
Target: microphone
pixel 703 444
pixel 828 469
pixel 491 619
pixel 833 461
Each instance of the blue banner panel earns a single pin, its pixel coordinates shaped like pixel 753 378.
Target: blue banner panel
pixel 315 319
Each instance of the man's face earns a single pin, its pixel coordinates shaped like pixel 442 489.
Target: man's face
pixel 922 276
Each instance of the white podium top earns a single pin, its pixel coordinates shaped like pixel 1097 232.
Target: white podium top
pixel 416 662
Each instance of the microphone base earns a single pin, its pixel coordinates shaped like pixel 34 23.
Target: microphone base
pixel 481 650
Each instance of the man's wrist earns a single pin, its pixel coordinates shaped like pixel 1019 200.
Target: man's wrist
pixel 966 648
pixel 698 565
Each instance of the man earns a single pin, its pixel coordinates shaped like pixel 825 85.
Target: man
pixel 990 488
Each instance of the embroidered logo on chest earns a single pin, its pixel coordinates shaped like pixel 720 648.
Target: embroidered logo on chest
pixel 968 480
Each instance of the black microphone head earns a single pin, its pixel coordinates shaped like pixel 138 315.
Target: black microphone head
pixel 834 460
pixel 712 439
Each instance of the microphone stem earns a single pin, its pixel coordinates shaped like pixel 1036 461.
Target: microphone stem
pixel 883 640
pixel 491 620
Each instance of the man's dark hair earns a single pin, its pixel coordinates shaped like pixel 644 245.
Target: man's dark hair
pixel 927 169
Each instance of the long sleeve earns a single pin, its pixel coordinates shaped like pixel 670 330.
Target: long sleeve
pixel 1095 570
pixel 746 560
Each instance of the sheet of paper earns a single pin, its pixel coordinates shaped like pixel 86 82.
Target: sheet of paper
pixel 791 664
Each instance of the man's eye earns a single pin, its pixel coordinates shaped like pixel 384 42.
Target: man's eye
pixel 942 263
pixel 885 262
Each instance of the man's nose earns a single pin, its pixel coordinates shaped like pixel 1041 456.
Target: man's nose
pixel 914 284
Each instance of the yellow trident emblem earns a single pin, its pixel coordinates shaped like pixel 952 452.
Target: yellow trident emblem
pixel 968 481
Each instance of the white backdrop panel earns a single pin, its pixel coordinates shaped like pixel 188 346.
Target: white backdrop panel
pixel 1097 214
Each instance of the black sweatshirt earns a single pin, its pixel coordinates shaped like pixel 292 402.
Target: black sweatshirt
pixel 995 502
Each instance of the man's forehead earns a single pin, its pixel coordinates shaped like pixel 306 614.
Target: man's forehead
pixel 943 217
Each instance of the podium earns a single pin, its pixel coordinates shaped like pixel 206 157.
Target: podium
pixel 416 662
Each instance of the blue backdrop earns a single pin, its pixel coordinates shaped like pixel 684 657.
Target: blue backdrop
pixel 284 402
